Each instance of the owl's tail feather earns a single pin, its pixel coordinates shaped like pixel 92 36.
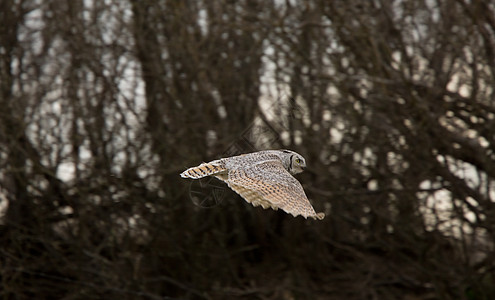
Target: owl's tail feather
pixel 204 169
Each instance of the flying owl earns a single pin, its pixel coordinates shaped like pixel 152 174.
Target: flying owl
pixel 262 178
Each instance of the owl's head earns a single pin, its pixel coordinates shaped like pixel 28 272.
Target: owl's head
pixel 293 162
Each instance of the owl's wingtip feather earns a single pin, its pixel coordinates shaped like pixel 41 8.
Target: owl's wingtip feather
pixel 320 216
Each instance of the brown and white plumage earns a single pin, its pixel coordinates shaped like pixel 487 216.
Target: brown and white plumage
pixel 263 179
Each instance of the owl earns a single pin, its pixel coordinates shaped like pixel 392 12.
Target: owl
pixel 262 178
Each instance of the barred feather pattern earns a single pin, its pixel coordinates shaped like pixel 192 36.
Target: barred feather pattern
pixel 203 170
pixel 263 179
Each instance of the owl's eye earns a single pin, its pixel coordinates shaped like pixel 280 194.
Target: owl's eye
pixel 298 160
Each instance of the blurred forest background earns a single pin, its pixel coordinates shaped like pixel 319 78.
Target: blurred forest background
pixel 104 103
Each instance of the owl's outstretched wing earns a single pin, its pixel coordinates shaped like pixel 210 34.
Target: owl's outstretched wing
pixel 269 184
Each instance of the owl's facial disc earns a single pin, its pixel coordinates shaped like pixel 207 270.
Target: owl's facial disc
pixel 297 164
